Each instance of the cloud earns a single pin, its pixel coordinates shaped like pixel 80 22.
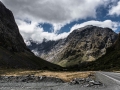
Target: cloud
pixel 106 23
pixel 115 10
pixel 31 31
pixel 56 12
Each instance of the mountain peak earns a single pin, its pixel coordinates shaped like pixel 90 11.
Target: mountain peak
pixel 83 44
pixel 85 27
pixel 88 26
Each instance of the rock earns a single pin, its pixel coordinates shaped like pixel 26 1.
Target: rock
pixel 83 44
pixel 10 37
pixel 88 79
pixel 52 79
pixel 97 83
pixel 92 81
pixel 30 78
pixel 42 77
pixel 110 61
pixel 13 51
pixel 34 79
pixel 86 82
pixel 73 82
pixel 77 81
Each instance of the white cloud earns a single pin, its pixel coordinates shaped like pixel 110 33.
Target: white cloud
pixel 33 32
pixel 115 10
pixel 106 23
pixel 56 12
pixel 57 27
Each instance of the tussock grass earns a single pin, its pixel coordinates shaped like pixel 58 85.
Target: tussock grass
pixel 64 75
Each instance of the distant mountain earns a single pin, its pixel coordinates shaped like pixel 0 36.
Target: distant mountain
pixel 82 45
pixel 13 51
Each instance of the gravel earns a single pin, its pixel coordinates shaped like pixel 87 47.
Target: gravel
pixel 30 79
pixel 31 82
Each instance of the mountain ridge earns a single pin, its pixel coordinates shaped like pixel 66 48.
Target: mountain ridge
pixel 83 44
pixel 13 51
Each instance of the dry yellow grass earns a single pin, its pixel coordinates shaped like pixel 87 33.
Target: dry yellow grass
pixel 66 76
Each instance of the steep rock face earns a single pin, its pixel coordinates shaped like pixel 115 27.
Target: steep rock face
pixel 109 61
pixel 13 51
pixel 83 44
pixel 10 37
pixel 89 42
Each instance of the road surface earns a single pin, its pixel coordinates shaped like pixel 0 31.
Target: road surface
pixel 110 79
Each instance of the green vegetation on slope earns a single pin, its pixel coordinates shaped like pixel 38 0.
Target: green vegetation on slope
pixel 109 61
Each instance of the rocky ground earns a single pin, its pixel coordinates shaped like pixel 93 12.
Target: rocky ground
pixel 31 82
pixel 29 79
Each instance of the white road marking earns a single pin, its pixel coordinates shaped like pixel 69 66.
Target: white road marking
pixel 117 81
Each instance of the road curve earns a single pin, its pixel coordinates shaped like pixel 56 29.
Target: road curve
pixel 110 79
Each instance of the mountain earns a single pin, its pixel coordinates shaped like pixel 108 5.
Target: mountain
pixel 13 51
pixel 82 45
pixel 110 61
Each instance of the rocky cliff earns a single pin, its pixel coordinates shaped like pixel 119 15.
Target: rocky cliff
pixel 109 61
pixel 83 44
pixel 10 37
pixel 13 51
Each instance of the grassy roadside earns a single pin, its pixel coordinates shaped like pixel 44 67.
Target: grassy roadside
pixel 64 75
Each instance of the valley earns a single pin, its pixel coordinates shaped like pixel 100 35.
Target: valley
pixel 82 45
pixel 87 59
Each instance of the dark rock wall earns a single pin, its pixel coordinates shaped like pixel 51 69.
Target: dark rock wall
pixel 10 37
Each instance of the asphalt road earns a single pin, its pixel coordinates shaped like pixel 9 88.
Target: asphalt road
pixel 110 79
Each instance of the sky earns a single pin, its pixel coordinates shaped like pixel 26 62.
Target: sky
pixel 56 19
